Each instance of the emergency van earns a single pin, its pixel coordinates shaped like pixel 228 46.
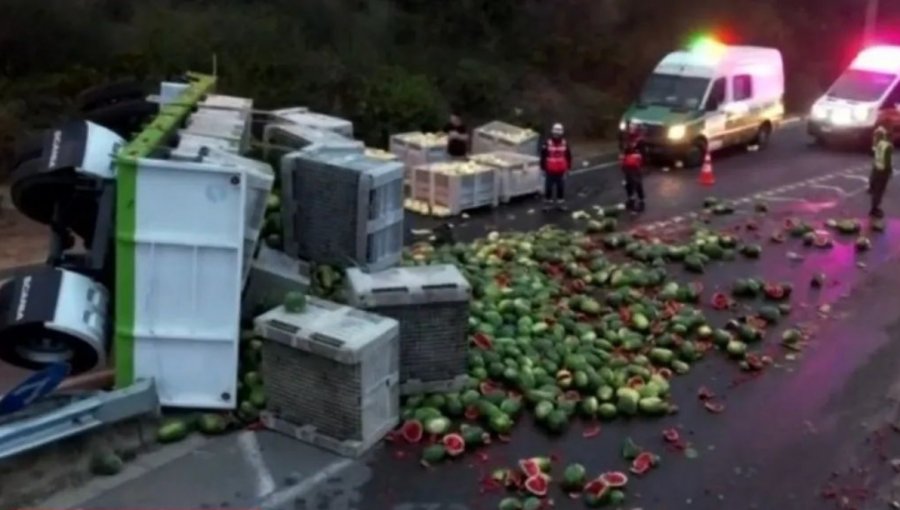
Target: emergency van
pixel 706 98
pixel 865 96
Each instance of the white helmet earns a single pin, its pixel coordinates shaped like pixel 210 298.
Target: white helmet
pixel 557 129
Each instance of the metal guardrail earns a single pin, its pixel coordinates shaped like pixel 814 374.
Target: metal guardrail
pixel 60 417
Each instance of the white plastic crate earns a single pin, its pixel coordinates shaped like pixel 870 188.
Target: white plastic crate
pixel 287 114
pixel 273 275
pixel 190 146
pixel 455 186
pixel 186 252
pixel 321 121
pixel 431 303
pixel 358 222
pixel 517 174
pixel 384 155
pixel 260 180
pixel 499 136
pixel 170 91
pixel 279 139
pixel 417 149
pixel 331 375
pixel 219 103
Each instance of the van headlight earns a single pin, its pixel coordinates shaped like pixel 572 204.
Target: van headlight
pixel 819 112
pixel 677 132
pixel 861 113
pixel 622 125
pixel 841 116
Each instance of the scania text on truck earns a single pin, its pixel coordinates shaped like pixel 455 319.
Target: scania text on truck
pixel 708 97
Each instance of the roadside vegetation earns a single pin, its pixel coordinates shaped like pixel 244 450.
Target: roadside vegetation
pixel 393 65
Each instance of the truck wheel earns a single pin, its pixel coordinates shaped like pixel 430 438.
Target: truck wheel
pixel 763 135
pixel 696 154
pixel 123 118
pixel 109 94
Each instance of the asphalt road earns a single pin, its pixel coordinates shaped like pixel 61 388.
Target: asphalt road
pixel 818 422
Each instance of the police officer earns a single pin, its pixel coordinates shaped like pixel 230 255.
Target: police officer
pixel 882 167
pixel 632 163
pixel 556 161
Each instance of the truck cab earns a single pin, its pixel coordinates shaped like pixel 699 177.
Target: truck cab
pixel 706 98
pixel 865 96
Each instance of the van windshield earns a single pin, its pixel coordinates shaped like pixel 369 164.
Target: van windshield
pixel 859 85
pixel 679 92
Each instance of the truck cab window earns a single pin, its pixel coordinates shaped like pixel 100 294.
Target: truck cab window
pixel 716 95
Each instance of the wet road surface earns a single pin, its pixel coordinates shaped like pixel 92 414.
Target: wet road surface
pixel 817 421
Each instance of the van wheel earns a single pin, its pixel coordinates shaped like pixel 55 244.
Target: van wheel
pixel 696 154
pixel 761 140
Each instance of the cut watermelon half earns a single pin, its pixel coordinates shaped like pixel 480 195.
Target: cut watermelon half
pixel 615 479
pixel 412 431
pixel 530 467
pixel 538 484
pixel 455 444
pixel 643 463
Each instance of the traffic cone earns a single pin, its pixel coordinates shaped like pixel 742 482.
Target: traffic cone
pixel 706 172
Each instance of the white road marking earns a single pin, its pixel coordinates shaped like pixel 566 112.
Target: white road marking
pixel 289 494
pixel 249 447
pixel 837 189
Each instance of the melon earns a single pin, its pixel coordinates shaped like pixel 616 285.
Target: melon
pixel 455 444
pixel 615 479
pixel 412 431
pixel 538 484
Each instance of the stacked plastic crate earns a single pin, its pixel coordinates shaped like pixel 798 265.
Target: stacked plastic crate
pixel 431 304
pixel 499 136
pixel 221 121
pixel 331 375
pixel 280 139
pixel 342 209
pixel 417 149
pixel 451 187
pixel 273 274
pixel 517 174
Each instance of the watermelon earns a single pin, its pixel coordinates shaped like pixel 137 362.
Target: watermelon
pixel 574 477
pixel 433 454
pixel 643 463
pixel 862 244
pixel 412 431
pixel 172 431
pixel 596 493
pixel 538 484
pixel 616 497
pixel 532 503
pixel 294 302
pixel 615 479
pixel 630 450
pixel 454 444
pixel 106 463
pixel 535 466
pixel 510 503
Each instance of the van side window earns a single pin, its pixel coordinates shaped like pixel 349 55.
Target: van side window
pixel 716 95
pixel 742 87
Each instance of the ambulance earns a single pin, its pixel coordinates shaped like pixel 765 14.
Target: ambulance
pixel 708 97
pixel 866 95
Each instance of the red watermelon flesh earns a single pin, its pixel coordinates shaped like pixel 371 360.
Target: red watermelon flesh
pixel 642 463
pixel 455 444
pixel 615 479
pixel 530 467
pixel 597 488
pixel 538 484
pixel 412 431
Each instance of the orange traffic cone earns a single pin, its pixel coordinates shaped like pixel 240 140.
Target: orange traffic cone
pixel 706 173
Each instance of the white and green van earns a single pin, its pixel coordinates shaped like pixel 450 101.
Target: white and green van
pixel 706 98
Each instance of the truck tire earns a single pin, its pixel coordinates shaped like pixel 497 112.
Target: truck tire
pixel 763 136
pixel 123 118
pixel 109 94
pixel 696 154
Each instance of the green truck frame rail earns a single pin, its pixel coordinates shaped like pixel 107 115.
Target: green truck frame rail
pixel 167 121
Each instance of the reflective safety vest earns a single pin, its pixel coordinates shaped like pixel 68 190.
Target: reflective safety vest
pixel 881 150
pixel 557 163
pixel 632 161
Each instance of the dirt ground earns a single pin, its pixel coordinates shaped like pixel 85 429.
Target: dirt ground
pixel 22 241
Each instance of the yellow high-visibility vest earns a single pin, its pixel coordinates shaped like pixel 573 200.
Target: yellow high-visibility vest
pixel 881 151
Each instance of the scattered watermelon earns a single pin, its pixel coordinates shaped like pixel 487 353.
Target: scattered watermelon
pixel 644 462
pixel 454 444
pixel 538 484
pixel 596 493
pixel 510 503
pixel 433 454
pixel 574 477
pixel 614 479
pixel 412 431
